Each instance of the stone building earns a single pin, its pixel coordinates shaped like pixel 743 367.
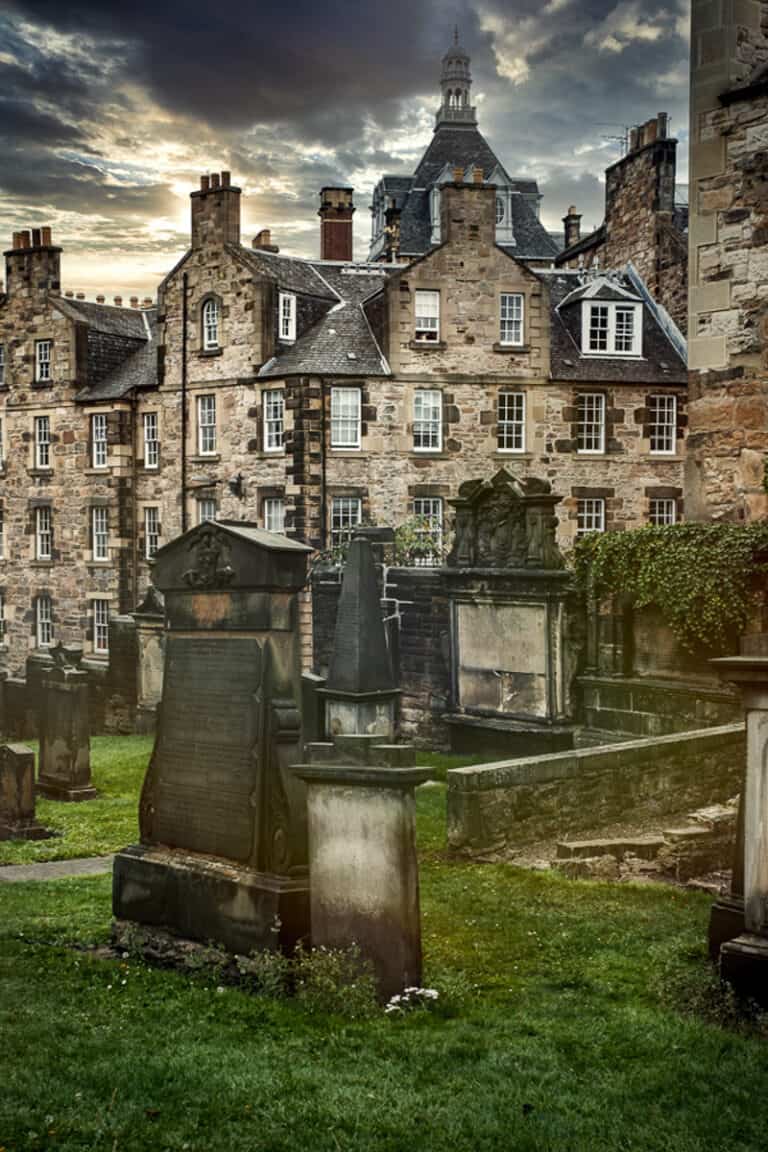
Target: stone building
pixel 646 220
pixel 728 322
pixel 308 395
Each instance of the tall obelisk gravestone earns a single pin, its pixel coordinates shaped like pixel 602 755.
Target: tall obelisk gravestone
pixel 223 852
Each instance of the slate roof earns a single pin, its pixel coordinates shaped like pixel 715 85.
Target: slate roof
pixel 325 349
pixel 660 363
pixel 274 541
pixel 591 240
pixel 107 319
pixel 137 371
pixel 289 273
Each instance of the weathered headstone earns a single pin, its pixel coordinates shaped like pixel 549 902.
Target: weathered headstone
pixel 150 644
pixel 17 795
pixel 510 653
pixel 360 691
pixel 64 770
pixel 744 956
pixel 364 877
pixel 223 853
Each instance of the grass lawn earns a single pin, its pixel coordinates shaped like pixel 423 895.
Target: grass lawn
pixel 573 1040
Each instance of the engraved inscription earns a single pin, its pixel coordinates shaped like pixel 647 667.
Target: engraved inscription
pixel 206 761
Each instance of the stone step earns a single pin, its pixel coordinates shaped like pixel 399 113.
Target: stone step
pixel 646 847
pixel 691 834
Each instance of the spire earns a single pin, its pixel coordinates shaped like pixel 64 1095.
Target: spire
pixel 455 84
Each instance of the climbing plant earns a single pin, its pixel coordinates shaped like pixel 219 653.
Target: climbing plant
pixel 703 578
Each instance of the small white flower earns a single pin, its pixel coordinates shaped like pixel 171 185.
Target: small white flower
pixel 220 989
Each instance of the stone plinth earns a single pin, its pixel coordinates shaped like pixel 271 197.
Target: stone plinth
pixel 17 794
pixel 364 880
pixel 64 770
pixel 744 958
pixel 223 853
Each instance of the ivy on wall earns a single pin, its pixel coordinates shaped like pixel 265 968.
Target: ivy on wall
pixel 704 579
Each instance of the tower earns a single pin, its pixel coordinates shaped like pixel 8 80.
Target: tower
pixel 455 84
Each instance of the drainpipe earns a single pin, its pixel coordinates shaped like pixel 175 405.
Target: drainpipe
pixel 184 402
pixel 323 509
pixel 135 500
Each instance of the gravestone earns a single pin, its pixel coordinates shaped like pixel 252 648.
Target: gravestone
pixel 64 770
pixel 223 852
pixel 17 795
pixel 150 645
pixel 511 659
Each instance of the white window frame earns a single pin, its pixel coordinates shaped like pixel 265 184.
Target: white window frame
pixel 206 427
pixel 151 530
pixel 662 511
pixel 2 534
pixel 44 621
pixel 662 431
pixel 590 408
pixel 287 316
pixel 273 416
pixel 43 532
pixel 429 510
pixel 149 422
pixel 2 366
pixel 510 422
pixel 346 514
pixel 2 443
pixel 514 320
pixel 99 432
pixel 611 307
pixel 206 509
pixel 100 609
pixel 100 533
pixel 42 442
pixel 346 418
pixel 273 513
pixel 43 361
pixel 427 420
pixel 590 515
pixel 3 628
pixel 211 322
pixel 426 327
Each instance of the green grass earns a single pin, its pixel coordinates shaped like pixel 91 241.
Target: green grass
pixel 572 1042
pixel 94 827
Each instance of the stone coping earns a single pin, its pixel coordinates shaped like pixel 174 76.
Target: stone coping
pixel 611 757
pixel 362 775
pixel 705 687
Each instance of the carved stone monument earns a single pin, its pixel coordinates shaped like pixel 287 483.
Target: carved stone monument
pixel 64 770
pixel 223 853
pixel 17 795
pixel 360 692
pixel 511 661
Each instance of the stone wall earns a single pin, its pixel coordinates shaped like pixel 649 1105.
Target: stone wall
pixel 508 805
pixel 728 414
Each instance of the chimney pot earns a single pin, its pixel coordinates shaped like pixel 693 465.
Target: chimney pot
pixel 100 299
pixel 69 294
pixel 662 122
pixel 650 131
pixel 572 224
pixel 80 296
pixel 134 301
pixel 35 237
pixel 25 239
pixel 477 176
pixel 225 179
pixel 458 175
pixel 214 180
pixel 147 302
pixel 205 183
pixel 634 139
pixel 46 237
pixel 17 240
pixel 118 301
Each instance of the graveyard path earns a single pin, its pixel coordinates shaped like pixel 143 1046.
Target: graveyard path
pixel 55 869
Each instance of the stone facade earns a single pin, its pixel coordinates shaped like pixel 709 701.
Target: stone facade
pixel 643 223
pixel 729 261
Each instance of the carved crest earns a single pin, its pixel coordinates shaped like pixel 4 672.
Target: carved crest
pixel 211 552
pixel 505 523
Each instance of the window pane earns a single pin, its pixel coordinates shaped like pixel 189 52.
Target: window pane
pixel 151 531
pixel 345 417
pixel 598 328
pixel 287 308
pixel 346 514
pixel 662 425
pixel 274 415
pixel 101 625
pixel 211 324
pixel 99 440
pixel 511 318
pixel 511 422
pixel 44 622
pixel 42 442
pixel 427 419
pixel 43 360
pixel 590 434
pixel 206 424
pixel 206 510
pixel 274 514
pixel 151 444
pixel 663 511
pixel 427 315
pixel 100 534
pixel 43 533
pixel 590 516
pixel 625 329
pixel 429 512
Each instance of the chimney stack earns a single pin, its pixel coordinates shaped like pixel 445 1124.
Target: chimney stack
pixel 263 241
pixel 572 223
pixel 32 264
pixel 215 211
pixel 336 212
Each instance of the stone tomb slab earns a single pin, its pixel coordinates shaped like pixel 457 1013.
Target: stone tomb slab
pixel 17 795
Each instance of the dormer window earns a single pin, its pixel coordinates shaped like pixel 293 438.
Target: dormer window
pixel 287 306
pixel 211 324
pixel 610 328
pixel 499 210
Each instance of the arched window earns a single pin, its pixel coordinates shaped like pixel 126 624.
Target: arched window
pixel 211 319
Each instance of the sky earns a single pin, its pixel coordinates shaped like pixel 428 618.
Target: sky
pixel 111 109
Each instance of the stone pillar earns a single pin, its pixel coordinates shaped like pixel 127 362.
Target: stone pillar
pixel 65 738
pixel 364 879
pixel 744 959
pixel 17 794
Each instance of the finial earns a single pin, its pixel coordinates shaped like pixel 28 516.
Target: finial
pixel 456 35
